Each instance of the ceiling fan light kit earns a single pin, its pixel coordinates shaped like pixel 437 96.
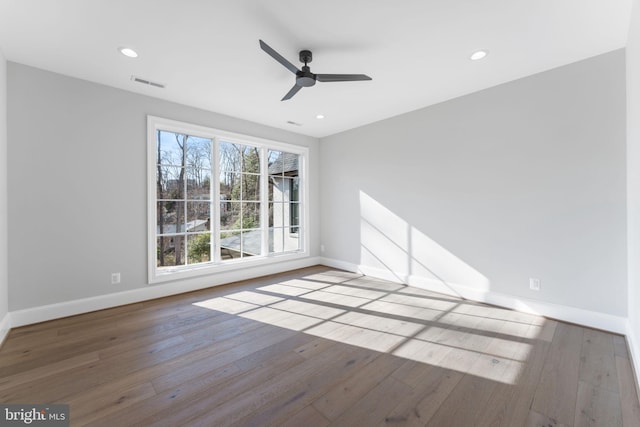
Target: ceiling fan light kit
pixel 304 77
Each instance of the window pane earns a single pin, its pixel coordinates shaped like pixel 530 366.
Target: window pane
pixel 251 159
pixel 294 214
pixel 294 196
pixel 230 186
pixel 198 216
pixel 270 188
pixel 199 248
pixel 291 240
pixel 198 184
pixel 170 251
pixel 276 215
pixel 250 185
pixel 169 148
pixel 276 188
pixel 276 240
pixel 250 215
pixel 230 157
pixel 169 214
pixel 287 185
pixel 251 243
pixel 293 170
pixel 198 152
pixel 230 245
pixel 230 217
pixel 274 160
pixel 168 183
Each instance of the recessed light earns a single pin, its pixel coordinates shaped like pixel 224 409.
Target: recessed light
pixel 127 51
pixel 478 55
pixel 320 117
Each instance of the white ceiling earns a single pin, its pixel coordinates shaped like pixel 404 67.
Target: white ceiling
pixel 207 51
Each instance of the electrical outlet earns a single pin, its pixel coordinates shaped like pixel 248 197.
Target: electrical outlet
pixel 115 278
pixel 321 248
pixel 534 284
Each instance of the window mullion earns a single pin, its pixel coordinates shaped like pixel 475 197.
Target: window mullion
pixel 184 199
pixel 215 200
pixel 264 202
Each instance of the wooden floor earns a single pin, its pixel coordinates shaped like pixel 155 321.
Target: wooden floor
pixel 319 347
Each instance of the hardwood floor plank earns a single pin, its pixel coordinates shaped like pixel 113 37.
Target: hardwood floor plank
pixel 376 404
pixel 620 345
pixel 107 399
pixel 597 360
pixel 265 337
pixel 465 403
pixel 509 404
pixel 628 399
pixel 177 404
pixel 597 406
pixel 308 416
pixel 431 386
pixel 535 419
pixel 37 374
pixel 557 391
pixel 345 394
pixel 311 349
pixel 94 374
pixel 274 401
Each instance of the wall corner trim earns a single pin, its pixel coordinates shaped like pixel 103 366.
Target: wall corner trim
pixel 5 327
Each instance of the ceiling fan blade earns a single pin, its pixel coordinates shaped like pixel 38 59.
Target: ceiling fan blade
pixel 292 92
pixel 275 55
pixel 341 77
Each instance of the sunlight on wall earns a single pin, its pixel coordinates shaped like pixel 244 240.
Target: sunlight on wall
pixel 388 242
pixel 410 323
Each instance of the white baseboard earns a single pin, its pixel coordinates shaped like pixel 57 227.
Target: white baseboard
pixel 5 327
pixel 341 265
pixel 593 319
pixel 32 315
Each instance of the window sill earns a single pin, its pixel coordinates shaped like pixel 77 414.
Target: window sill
pixel 178 273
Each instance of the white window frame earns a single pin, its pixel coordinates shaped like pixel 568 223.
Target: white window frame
pixel 156 275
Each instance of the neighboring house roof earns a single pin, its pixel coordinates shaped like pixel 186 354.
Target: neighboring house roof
pixel 195 225
pixel 252 242
pixel 285 163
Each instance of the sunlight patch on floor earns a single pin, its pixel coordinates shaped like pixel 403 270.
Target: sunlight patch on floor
pixel 488 342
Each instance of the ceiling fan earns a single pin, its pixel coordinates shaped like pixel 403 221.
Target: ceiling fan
pixel 304 77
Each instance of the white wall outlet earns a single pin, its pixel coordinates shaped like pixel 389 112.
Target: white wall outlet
pixel 321 248
pixel 115 278
pixel 534 284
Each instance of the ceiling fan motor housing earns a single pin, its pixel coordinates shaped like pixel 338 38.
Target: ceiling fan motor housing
pixel 305 78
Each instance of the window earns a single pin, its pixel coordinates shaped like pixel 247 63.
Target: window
pixel 217 199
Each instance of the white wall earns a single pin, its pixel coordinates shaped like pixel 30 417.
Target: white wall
pixel 633 178
pixel 4 275
pixel 480 193
pixel 77 188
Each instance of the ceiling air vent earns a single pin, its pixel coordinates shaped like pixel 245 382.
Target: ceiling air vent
pixel 147 82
